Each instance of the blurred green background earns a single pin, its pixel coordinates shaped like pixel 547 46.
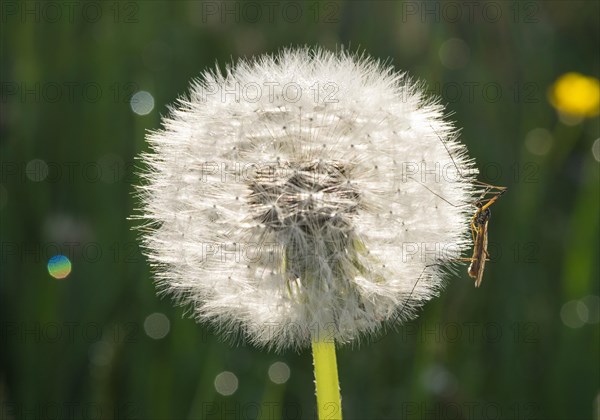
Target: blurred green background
pixel 100 343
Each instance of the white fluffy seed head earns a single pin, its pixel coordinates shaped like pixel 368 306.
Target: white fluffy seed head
pixel 305 194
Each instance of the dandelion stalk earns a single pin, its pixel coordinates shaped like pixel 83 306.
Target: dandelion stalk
pixel 326 379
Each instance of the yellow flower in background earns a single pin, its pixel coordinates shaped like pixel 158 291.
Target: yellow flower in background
pixel 576 94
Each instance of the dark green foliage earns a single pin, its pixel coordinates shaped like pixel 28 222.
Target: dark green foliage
pixel 77 348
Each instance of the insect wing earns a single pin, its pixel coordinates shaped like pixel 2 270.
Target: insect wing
pixel 483 238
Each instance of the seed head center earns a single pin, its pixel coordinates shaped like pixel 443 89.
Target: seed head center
pixel 308 195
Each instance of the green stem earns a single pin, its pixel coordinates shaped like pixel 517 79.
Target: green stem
pixel 326 380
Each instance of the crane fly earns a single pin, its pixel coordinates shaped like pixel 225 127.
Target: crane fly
pixel 479 221
pixel 479 231
pixel 479 225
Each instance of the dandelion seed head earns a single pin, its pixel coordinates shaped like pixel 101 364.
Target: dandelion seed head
pixel 304 193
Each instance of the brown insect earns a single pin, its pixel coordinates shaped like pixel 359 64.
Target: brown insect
pixel 479 230
pixel 479 222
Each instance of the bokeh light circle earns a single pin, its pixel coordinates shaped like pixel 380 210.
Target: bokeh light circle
pixel 142 102
pixel 279 372
pixel 59 266
pixel 36 170
pixel 157 325
pixel 539 141
pixel 226 383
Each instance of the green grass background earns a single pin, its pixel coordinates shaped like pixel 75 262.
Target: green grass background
pixel 76 348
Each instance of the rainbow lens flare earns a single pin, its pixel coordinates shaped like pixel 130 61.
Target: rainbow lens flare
pixel 59 266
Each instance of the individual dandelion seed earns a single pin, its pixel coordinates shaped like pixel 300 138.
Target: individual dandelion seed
pixel 304 193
